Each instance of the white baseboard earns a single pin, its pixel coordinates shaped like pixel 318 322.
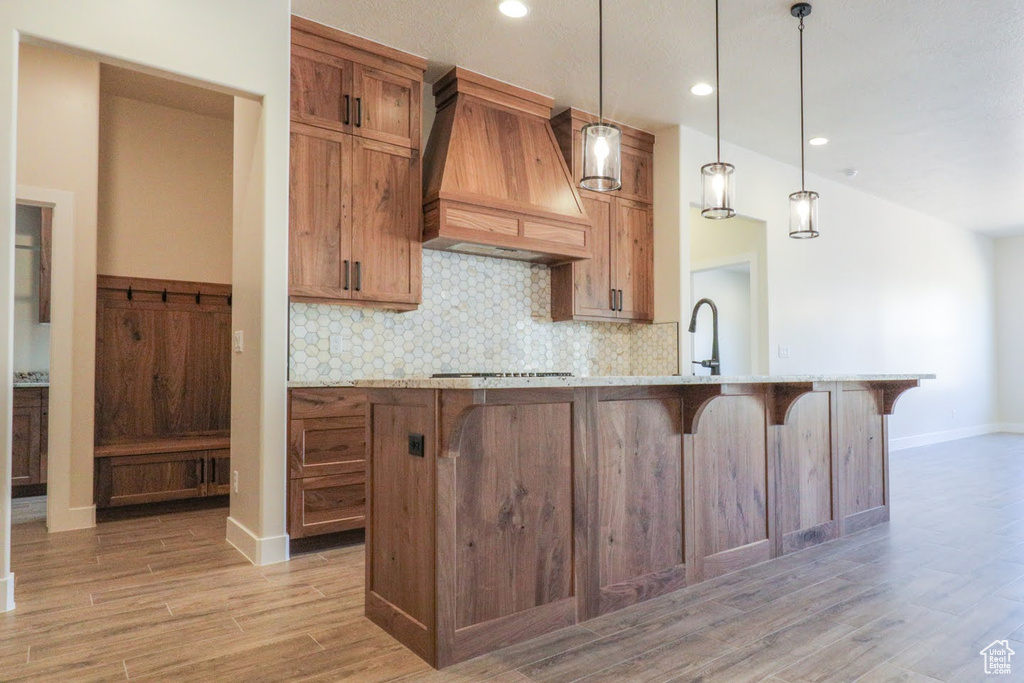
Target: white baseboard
pixel 948 435
pixel 1010 428
pixel 71 519
pixel 7 593
pixel 259 551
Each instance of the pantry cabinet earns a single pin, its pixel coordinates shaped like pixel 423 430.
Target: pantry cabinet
pixel 355 172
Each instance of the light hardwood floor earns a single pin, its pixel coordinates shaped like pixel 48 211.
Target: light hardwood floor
pixel 166 598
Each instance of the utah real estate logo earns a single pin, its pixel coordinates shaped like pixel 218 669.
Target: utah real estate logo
pixel 997 657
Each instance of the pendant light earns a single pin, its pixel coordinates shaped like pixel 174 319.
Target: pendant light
pixel 718 179
pixel 602 142
pixel 803 205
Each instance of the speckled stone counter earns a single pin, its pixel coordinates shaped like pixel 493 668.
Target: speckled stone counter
pixel 32 379
pixel 620 381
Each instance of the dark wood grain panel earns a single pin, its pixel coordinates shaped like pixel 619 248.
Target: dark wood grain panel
pixel 25 445
pixel 317 402
pixel 321 447
pixel 135 479
pixel 45 261
pixel 805 464
pixel 162 369
pixel 639 471
pixel 730 484
pixel 319 205
pixel 400 538
pixel 862 465
pixel 386 224
pixel 634 260
pixel 514 510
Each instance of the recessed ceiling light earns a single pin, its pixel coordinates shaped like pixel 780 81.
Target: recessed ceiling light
pixel 818 142
pixel 702 89
pixel 514 8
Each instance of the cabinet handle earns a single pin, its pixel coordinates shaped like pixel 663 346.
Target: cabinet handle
pixel 348 110
pixel 620 299
pixel 201 466
pixel 359 112
pixel 345 287
pixel 213 470
pixel 613 299
pixel 359 276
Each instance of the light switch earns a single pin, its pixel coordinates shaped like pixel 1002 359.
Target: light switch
pixel 239 342
pixel 337 346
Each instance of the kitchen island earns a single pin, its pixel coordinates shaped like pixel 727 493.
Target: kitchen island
pixel 500 509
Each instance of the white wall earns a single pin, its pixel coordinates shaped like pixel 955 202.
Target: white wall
pixel 884 289
pixel 31 338
pixel 729 288
pixel 241 46
pixel 1010 331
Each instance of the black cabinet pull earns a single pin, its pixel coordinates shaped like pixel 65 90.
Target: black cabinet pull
pixel 613 299
pixel 348 110
pixel 620 299
pixel 213 470
pixel 359 112
pixel 201 463
pixel 359 276
pixel 345 286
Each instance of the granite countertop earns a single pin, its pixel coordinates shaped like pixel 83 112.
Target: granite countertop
pixel 32 379
pixel 550 382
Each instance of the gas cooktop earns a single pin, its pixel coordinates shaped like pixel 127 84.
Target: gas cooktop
pixel 448 375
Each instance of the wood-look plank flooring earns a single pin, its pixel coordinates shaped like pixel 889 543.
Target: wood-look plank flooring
pixel 165 598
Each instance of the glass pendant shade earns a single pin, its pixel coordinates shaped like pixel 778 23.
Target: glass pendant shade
pixel 718 182
pixel 602 157
pixel 803 214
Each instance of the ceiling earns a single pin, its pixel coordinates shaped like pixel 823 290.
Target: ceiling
pixel 924 98
pixel 144 87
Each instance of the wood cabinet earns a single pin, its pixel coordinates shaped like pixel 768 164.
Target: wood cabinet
pixel 355 172
pixel 162 470
pixel 28 434
pixel 617 282
pixel 326 461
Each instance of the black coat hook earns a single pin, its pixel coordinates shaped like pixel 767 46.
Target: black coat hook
pixel 229 300
pixel 164 296
pixel 129 292
pixel 198 296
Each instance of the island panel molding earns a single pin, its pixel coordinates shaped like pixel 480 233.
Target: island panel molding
pixel 532 508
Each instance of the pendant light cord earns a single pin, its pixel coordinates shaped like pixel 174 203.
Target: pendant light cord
pixel 718 90
pixel 600 61
pixel 803 143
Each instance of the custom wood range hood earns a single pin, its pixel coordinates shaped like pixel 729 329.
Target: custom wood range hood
pixel 495 180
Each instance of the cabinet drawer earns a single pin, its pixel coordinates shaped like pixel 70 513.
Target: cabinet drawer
pixel 323 505
pixel 327 446
pixel 133 479
pixel 326 402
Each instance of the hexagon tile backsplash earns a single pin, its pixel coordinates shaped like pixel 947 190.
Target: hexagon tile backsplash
pixel 478 314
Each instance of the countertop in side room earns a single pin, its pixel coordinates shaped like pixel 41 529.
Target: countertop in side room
pixel 554 382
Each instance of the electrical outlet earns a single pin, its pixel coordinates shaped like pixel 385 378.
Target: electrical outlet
pixel 783 352
pixel 417 445
pixel 234 481
pixel 239 341
pixel 337 344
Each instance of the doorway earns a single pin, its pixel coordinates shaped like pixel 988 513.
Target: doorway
pixel 728 264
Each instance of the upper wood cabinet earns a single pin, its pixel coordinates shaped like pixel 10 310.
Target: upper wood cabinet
pixel 617 282
pixel 355 222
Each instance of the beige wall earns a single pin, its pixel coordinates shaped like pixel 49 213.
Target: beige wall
pixel 164 192
pixel 58 147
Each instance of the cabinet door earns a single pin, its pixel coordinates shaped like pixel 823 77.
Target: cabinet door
pixel 133 479
pixel 637 175
pixel 218 473
pixel 387 107
pixel 634 259
pixel 25 446
pixel 318 212
pixel 592 279
pixel 323 505
pixel 44 435
pixel 321 89
pixel 386 214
